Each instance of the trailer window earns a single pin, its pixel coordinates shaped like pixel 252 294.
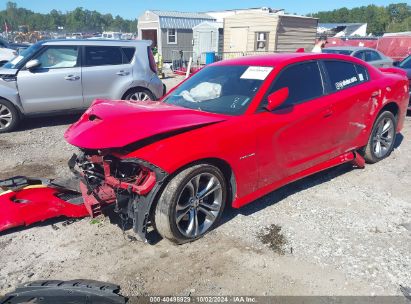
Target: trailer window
pixel 171 36
pixel 261 41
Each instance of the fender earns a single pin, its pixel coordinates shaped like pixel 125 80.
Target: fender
pixel 9 92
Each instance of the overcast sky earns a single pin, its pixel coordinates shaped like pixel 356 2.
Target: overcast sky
pixel 131 9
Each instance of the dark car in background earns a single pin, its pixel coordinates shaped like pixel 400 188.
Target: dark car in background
pixel 406 65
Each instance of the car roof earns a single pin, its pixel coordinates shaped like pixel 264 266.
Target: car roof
pixel 101 42
pixel 349 48
pixel 273 60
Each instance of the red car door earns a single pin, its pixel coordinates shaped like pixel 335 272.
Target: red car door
pixel 353 96
pixel 298 134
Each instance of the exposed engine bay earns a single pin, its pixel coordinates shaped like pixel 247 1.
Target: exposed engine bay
pixel 128 184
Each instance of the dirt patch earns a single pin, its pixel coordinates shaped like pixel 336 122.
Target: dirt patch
pixel 36 170
pixel 5 243
pixel 272 237
pixel 4 144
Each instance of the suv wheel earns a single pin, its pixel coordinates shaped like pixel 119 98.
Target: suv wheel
pixel 140 95
pixel 9 116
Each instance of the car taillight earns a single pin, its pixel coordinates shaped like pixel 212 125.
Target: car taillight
pixel 153 65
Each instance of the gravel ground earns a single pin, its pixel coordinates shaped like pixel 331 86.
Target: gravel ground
pixel 341 232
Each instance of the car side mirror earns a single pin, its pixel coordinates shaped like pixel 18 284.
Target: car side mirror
pixel 277 98
pixel 396 63
pixel 32 64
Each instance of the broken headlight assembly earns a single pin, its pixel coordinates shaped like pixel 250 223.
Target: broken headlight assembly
pixel 133 175
pixel 106 179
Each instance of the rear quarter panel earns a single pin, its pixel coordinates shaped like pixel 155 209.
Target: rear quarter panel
pixel 391 88
pixel 395 88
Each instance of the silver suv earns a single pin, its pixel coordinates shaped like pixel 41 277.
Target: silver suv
pixel 63 76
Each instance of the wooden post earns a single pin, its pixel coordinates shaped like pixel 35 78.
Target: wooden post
pixel 190 61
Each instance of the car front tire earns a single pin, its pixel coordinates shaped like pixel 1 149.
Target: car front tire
pixel 9 116
pixel 191 204
pixel 382 138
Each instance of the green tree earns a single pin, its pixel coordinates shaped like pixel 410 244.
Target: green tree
pixel 380 19
pixel 78 20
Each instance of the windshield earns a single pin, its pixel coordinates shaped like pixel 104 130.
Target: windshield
pixel 334 51
pixel 220 89
pixel 406 63
pixel 12 64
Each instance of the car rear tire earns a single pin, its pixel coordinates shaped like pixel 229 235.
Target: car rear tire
pixel 9 116
pixel 140 95
pixel 382 138
pixel 191 204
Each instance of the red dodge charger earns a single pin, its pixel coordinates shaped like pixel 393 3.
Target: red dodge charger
pixel 231 133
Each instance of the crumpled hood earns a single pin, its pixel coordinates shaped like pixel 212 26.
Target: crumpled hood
pixel 118 123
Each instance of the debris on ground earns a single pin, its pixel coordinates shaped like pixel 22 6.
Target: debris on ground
pixel 65 292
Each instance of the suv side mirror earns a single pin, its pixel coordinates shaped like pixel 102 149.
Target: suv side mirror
pixel 277 98
pixel 32 64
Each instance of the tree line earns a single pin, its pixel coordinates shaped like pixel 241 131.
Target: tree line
pixel 381 19
pixel 78 20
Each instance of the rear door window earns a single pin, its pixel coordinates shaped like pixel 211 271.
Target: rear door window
pixel 343 74
pixel 372 56
pixel 362 73
pixel 128 54
pixel 303 81
pixel 360 55
pixel 103 55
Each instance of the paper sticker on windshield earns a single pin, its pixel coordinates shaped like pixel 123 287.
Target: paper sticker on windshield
pixel 361 77
pixel 257 73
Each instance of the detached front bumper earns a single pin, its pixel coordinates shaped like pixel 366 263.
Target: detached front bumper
pixel 25 201
pixel 131 185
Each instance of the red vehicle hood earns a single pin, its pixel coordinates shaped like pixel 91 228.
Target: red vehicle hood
pixel 117 123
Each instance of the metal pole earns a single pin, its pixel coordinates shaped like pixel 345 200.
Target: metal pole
pixel 190 61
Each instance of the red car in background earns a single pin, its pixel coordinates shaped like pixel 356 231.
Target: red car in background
pixel 233 132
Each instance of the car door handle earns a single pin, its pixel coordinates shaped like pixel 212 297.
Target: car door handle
pixel 328 113
pixel 123 73
pixel 72 77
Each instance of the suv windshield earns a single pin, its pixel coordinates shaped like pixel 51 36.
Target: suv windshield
pixel 220 89
pixel 334 51
pixel 13 64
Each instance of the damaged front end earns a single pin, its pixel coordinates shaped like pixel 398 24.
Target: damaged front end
pixel 129 184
